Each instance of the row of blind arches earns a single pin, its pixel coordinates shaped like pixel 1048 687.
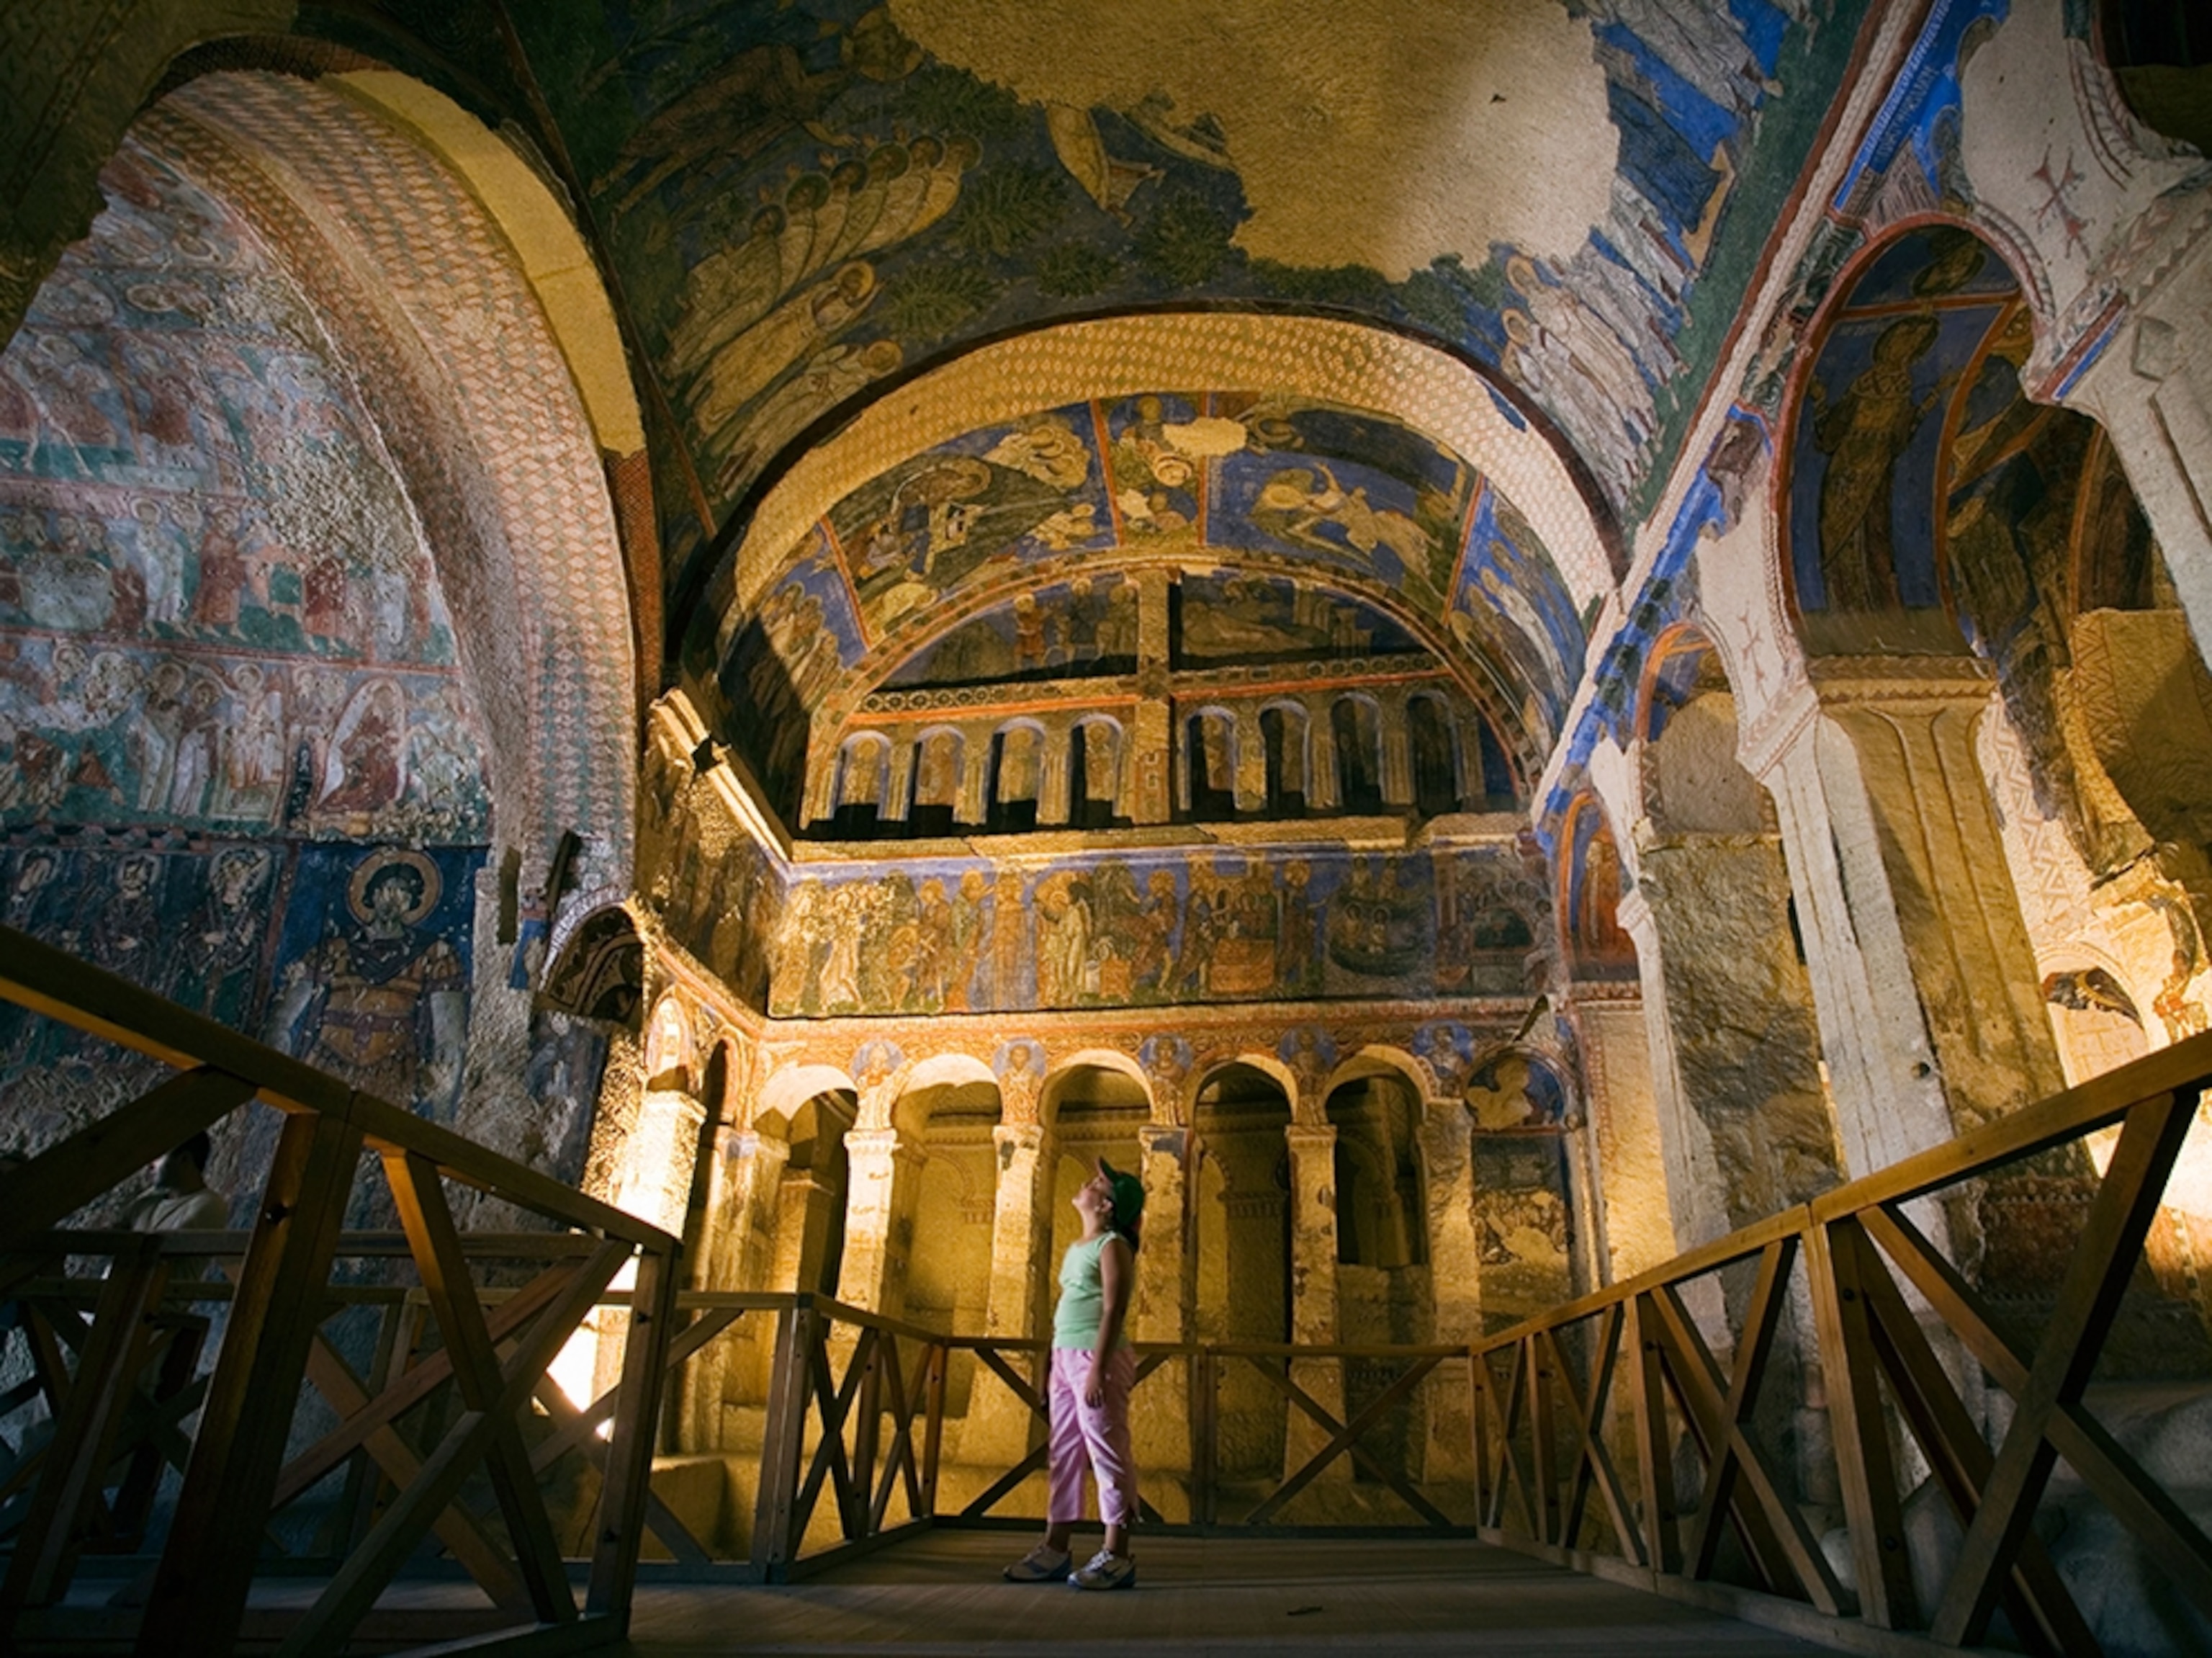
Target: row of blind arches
pixel 1076 776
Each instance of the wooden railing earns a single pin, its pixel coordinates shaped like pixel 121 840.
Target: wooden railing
pixel 1579 1412
pixel 115 1324
pixel 853 1428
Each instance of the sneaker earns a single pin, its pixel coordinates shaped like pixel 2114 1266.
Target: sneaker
pixel 1106 1571
pixel 1040 1565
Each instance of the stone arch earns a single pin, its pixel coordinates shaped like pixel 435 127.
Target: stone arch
pixel 1687 721
pixel 1286 750
pixel 940 755
pixel 671 1047
pixel 1593 942
pixel 595 966
pixel 863 788
pixel 1376 1058
pixel 1096 1059
pixel 1094 789
pixel 940 1071
pixel 1208 1070
pixel 1356 727
pixel 1330 359
pixel 1208 741
pixel 426 297
pixel 788 1089
pixel 1014 786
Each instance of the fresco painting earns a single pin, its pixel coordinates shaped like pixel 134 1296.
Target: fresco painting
pixel 215 609
pixel 1148 930
pixel 785 659
pixel 1346 486
pixel 240 765
pixel 371 969
pixel 1230 617
pixel 1156 450
pixel 1870 433
pixel 1025 490
pixel 1511 606
pixel 1077 629
pixel 846 187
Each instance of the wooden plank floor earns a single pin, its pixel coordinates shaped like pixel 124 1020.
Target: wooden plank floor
pixel 940 1594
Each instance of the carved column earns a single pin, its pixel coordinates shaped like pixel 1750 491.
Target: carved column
pixel 1313 1288
pixel 740 1256
pixel 883 1175
pixel 1929 820
pixel 2152 393
pixel 1053 769
pixel 1251 774
pixel 1161 1313
pixel 1397 751
pixel 1000 1428
pixel 1889 1099
pixel 1635 1226
pixel 1151 724
pixel 974 804
pixel 898 787
pixel 1321 768
pixel 1454 1275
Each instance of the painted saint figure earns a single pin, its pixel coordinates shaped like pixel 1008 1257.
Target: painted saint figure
pixel 380 1003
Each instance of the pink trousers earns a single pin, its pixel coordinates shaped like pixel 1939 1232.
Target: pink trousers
pixel 1092 1436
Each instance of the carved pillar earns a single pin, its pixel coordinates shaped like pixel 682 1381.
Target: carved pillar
pixel 1910 725
pixel 883 1175
pixel 1635 1227
pixel 1251 776
pixel 1397 751
pixel 1052 768
pixel 1313 1289
pixel 2152 393
pixel 974 804
pixel 1320 769
pixel 898 787
pixel 1161 1313
pixel 1151 724
pixel 1455 1277
pixel 1000 1428
pixel 1888 1096
pixel 739 1255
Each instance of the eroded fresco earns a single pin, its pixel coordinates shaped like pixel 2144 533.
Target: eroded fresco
pixel 240 764
pixel 981 561
pixel 1149 929
pixel 215 609
pixel 803 200
pixel 1870 437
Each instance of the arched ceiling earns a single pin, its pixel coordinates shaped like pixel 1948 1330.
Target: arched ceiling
pixel 1297 529
pixel 806 203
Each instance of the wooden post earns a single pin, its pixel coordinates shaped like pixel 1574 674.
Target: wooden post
pixel 78 1455
pixel 199 1592
pixel 1836 1264
pixel 785 1435
pixel 630 1453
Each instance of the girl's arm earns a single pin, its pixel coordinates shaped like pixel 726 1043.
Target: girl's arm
pixel 1116 1277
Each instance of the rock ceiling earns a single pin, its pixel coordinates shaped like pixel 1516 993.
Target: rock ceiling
pixel 814 210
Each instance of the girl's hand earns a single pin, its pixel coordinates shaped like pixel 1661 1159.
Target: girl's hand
pixel 1094 1387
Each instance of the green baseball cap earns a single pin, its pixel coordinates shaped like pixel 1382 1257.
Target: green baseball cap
pixel 1129 1191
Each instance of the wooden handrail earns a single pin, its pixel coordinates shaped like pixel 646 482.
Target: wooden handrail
pixel 1857 1245
pixel 36 975
pixel 277 1289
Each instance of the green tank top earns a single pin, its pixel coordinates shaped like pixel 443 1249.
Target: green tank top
pixel 1083 1297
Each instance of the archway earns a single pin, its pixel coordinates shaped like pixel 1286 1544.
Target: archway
pixel 1240 1250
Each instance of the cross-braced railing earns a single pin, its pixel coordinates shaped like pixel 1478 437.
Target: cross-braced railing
pixel 319 1441
pixel 1578 1412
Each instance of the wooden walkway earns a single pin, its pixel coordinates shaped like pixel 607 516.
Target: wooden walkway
pixel 940 1594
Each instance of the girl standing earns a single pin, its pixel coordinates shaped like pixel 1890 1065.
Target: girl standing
pixel 1093 1371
